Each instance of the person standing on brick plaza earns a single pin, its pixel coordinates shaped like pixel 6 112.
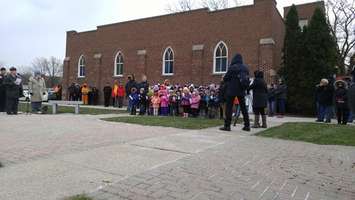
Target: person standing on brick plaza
pixel 13 83
pixel 37 88
pixel 236 82
pixel 341 102
pixel 115 94
pixel 2 90
pixel 107 94
pixel 71 92
pixel 121 94
pixel 271 100
pixel 85 94
pixel 325 101
pixel 129 85
pixel 351 97
pixel 281 98
pixel 260 98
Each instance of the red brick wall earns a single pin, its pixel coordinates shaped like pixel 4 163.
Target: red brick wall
pixel 240 28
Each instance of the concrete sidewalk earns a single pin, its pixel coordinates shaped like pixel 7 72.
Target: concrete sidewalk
pixel 53 156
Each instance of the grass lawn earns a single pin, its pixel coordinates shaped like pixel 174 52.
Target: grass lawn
pixel 175 122
pixel 79 197
pixel 324 134
pixel 68 109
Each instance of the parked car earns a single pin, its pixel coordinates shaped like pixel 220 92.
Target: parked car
pixel 51 95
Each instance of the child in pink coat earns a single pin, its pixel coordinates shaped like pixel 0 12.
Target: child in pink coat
pixel 195 103
pixel 164 102
pixel 155 103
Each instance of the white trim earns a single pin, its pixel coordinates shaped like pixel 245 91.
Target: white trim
pixel 173 60
pixel 214 57
pixel 266 41
pixel 197 47
pixel 80 65
pixel 142 52
pixel 115 64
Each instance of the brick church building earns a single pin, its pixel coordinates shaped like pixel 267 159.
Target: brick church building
pixel 188 47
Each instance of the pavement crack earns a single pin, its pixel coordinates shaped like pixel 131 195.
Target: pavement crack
pixel 162 149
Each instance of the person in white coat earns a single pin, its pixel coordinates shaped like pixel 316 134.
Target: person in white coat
pixel 37 89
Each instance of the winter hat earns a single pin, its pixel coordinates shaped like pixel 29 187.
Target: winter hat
pixel 156 88
pixel 324 81
pixel 340 82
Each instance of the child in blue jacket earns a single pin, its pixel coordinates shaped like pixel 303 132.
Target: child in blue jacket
pixel 133 100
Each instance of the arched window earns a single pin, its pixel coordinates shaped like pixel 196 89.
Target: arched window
pixel 119 62
pixel 168 61
pixel 220 58
pixel 81 66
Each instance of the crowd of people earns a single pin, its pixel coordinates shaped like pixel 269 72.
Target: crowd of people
pixel 224 100
pixel 10 90
pixel 233 96
pixel 88 95
pixel 335 97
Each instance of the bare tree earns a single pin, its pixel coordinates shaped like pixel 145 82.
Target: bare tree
pixel 2 64
pixel 186 5
pixel 25 72
pixel 341 17
pixel 215 4
pixel 181 6
pixel 52 68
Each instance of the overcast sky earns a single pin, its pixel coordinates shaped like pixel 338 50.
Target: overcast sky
pixel 37 28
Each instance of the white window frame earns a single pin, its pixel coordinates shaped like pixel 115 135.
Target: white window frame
pixel 173 53
pixel 80 65
pixel 215 58
pixel 116 63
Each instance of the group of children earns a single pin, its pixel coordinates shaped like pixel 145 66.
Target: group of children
pixel 185 101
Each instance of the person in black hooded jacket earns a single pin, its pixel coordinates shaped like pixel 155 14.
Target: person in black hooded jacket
pixel 260 97
pixel 236 83
pixel 341 102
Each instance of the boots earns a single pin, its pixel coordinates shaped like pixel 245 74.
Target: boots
pixel 256 121
pixel 264 125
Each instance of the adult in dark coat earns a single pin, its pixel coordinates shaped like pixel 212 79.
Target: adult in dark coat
pixel 351 98
pixel 144 85
pixel 129 85
pixel 71 91
pixel 94 96
pixel 260 98
pixel 325 100
pixel 235 87
pixel 341 102
pixel 13 83
pixel 281 98
pixel 107 94
pixel 271 101
pixel 2 90
pixel 221 96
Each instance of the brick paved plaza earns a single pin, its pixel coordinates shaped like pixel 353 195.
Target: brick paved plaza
pixel 51 157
